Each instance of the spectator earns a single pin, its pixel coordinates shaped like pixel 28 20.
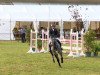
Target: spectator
pixel 23 34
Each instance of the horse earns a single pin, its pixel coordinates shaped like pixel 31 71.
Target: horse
pixel 56 51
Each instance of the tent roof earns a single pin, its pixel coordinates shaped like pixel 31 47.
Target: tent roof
pixel 47 12
pixel 51 1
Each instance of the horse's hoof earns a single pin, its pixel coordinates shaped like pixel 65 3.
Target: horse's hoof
pixel 54 61
pixel 62 62
pixel 60 66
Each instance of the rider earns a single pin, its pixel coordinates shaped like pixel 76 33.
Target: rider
pixel 53 33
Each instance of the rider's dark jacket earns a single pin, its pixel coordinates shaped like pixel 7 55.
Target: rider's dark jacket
pixel 53 33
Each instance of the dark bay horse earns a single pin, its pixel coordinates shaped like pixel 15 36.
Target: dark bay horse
pixel 56 51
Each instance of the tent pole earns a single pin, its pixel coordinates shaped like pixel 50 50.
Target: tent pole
pixel 48 28
pixel 61 29
pixel 10 29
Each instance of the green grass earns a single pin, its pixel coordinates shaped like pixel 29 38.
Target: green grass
pixel 14 60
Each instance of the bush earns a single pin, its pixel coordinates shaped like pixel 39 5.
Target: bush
pixel 89 39
pixel 96 47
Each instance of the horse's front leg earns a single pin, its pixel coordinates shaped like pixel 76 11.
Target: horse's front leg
pixel 51 53
pixel 52 56
pixel 56 55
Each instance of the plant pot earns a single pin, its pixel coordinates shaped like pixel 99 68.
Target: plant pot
pixel 33 49
pixel 88 54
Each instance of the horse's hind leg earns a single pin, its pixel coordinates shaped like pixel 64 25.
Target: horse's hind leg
pixel 61 59
pixel 52 55
pixel 60 53
pixel 59 50
pixel 56 55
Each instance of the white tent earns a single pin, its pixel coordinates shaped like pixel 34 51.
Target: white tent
pixel 9 14
pixel 47 12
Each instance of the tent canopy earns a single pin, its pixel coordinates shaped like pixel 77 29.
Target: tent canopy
pixel 9 14
pixel 47 12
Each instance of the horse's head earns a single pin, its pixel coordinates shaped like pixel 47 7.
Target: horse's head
pixel 52 41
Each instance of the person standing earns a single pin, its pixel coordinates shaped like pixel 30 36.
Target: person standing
pixel 23 35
